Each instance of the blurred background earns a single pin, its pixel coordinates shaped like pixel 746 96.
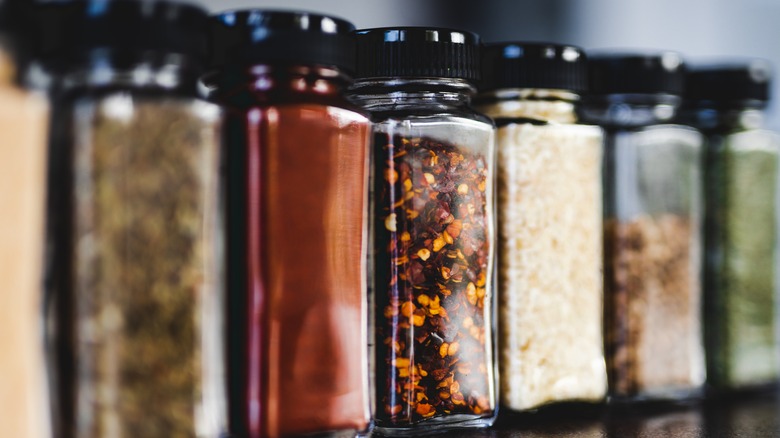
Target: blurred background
pixel 700 29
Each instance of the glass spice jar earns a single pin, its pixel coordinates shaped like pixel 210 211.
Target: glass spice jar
pixel 653 220
pixel 726 102
pixel 549 225
pixel 297 175
pixel 432 231
pixel 135 277
pixel 23 126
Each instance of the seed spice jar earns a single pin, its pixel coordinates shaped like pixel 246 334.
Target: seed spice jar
pixel 23 125
pixel 135 277
pixel 432 257
pixel 550 225
pixel 727 103
pixel 297 175
pixel 653 226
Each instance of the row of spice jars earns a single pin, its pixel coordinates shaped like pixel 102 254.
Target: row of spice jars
pixel 138 245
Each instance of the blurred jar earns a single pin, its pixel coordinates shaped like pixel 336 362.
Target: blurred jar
pixel 726 102
pixel 297 166
pixel 653 219
pixel 432 230
pixel 136 286
pixel 23 127
pixel 549 225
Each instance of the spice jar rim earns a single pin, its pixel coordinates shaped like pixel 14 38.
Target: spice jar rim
pixel 533 94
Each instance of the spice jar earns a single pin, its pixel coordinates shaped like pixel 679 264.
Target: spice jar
pixel 549 225
pixel 726 102
pixel 653 215
pixel 135 276
pixel 23 125
pixel 297 175
pixel 431 259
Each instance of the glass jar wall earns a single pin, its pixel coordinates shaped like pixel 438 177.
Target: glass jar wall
pixel 653 225
pixel 431 229
pixel 297 171
pixel 135 297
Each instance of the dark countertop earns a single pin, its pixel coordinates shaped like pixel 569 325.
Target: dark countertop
pixel 746 415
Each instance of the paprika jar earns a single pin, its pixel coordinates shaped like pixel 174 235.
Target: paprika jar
pixel 727 103
pixel 135 277
pixel 297 164
pixel 653 224
pixel 550 228
pixel 432 231
pixel 23 126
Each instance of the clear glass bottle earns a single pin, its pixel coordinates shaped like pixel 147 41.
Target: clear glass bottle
pixel 653 222
pixel 297 175
pixel 431 229
pixel 23 125
pixel 550 228
pixel 727 102
pixel 135 276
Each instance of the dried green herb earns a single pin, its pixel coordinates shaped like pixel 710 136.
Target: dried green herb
pixel 143 269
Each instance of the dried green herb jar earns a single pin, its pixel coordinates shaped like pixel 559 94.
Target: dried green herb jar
pixel 135 277
pixel 727 102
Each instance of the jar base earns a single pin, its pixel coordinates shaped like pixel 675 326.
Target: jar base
pixel 437 426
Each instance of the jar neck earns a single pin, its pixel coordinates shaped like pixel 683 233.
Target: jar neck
pixel 630 110
pixel 276 83
pixel 380 94
pixel 711 118
pixel 544 105
pixel 169 75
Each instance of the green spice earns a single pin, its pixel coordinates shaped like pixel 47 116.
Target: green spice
pixel 144 273
pixel 741 263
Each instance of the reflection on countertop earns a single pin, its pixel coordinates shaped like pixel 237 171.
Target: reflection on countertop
pixel 747 415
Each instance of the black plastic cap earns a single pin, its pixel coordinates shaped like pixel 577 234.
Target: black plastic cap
pixel 533 65
pixel 247 37
pixel 729 83
pixel 417 52
pixel 661 73
pixel 124 30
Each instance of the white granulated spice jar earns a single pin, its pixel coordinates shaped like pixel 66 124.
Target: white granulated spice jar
pixel 550 226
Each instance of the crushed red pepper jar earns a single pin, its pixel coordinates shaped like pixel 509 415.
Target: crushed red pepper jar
pixel 432 231
pixel 296 165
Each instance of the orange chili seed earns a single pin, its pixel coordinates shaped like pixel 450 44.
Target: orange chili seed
pixel 401 362
pixel 481 186
pixel 455 388
pixel 405 236
pixel 463 189
pixel 424 300
pixel 447 238
pixel 454 228
pixel 444 395
pixel 453 349
pixel 481 279
pixel 443 349
pixel 424 254
pixel 407 184
pixel 391 175
pixel 438 243
pixel 429 178
pixel 445 272
pixel 407 309
pixel 418 320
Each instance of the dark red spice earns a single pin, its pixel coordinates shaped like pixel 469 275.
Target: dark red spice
pixel 432 246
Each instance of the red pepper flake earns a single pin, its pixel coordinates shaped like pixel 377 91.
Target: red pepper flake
pixel 431 269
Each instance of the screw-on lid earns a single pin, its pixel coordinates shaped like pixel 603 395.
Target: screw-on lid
pixel 417 52
pixel 729 83
pixel 122 29
pixel 533 65
pixel 259 36
pixel 660 73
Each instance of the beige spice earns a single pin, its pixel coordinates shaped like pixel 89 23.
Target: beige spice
pixel 23 121
pixel 550 243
